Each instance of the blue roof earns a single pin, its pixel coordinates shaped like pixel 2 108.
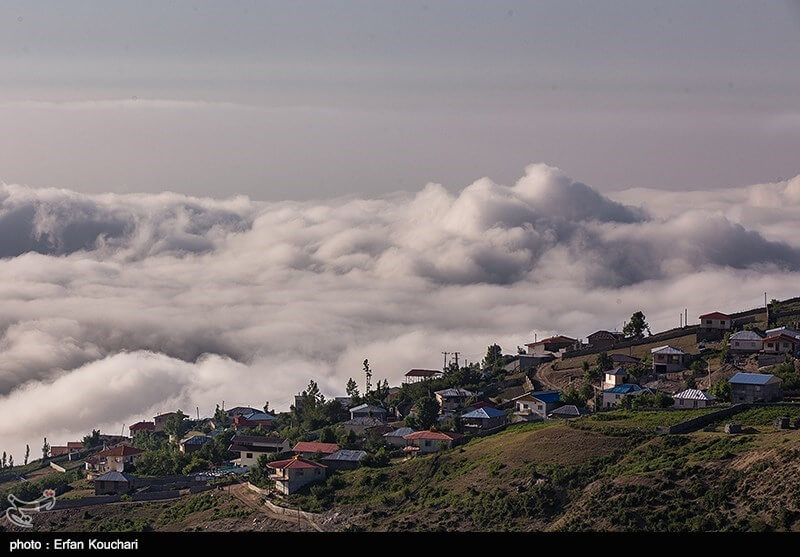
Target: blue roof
pixel 485 412
pixel 546 396
pixel 624 389
pixel 751 378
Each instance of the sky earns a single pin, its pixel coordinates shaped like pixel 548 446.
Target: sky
pixel 208 202
pixel 301 100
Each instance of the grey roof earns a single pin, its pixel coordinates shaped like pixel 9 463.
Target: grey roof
pixel 752 378
pixel 455 393
pixel 667 349
pixel 258 416
pixel 114 476
pixel 196 440
pixel 346 455
pixel 365 420
pixel 566 410
pixel 624 358
pixel 784 330
pixel 369 407
pixel 617 371
pixel 694 394
pixel 746 335
pixel 400 432
pixel 484 413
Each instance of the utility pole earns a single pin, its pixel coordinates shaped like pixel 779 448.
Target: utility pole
pixel 681 320
pixel 766 305
pixel 444 367
pixel 455 356
pixel 686 317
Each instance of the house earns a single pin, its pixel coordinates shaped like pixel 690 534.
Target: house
pixel 614 377
pixel 360 426
pixel 113 483
pixel 783 330
pixel 744 342
pixel 251 447
pixel 253 419
pixel 537 403
pixel 429 441
pixel 141 426
pixel 755 387
pixel 624 360
pixel 308 449
pixel 527 362
pixel 716 320
pixel 417 375
pixel 693 398
pixel 344 459
pixel 194 443
pixel 452 400
pixel 604 339
pixel 615 394
pixel 294 473
pixel 71 447
pixel 566 412
pixel 780 343
pixel 114 459
pixel 551 345
pixel 161 420
pixel 368 411
pixel 668 359
pixel 483 418
pixel 396 438
pixel 241 410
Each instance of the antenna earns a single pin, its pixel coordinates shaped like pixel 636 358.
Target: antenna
pixel 198 413
pixel 444 368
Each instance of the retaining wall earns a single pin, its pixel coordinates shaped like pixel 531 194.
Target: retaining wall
pixel 701 421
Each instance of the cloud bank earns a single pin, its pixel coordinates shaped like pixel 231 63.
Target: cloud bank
pixel 116 307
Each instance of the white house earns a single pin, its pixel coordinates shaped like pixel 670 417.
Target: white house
pixel 716 320
pixel 614 377
pixel 251 447
pixel 745 341
pixel 668 359
pixel 693 398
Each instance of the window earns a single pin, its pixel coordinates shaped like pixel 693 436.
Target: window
pixel 708 321
pixel 249 455
pixel 427 443
pixel 722 322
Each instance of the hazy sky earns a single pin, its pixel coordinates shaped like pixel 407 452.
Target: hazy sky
pixel 291 100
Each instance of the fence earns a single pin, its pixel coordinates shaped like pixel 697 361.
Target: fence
pixel 694 424
pixel 277 509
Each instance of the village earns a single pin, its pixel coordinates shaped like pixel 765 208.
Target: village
pixel 687 378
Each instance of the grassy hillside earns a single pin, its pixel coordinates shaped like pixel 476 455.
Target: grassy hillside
pixel 583 476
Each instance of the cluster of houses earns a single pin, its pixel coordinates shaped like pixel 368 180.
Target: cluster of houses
pixel 294 465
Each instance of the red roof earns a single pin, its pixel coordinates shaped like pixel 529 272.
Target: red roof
pixel 556 339
pixel 121 450
pixel 781 336
pixel 74 444
pixel 435 435
pixel 294 463
pixel 422 372
pixel 715 315
pixel 147 426
pixel 313 447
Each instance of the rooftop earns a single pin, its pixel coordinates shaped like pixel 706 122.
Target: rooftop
pixel 345 455
pixel 114 476
pixel 368 407
pixel 742 378
pixel 542 396
pixel 624 389
pixel 314 447
pixel 746 335
pixel 455 393
pixel 667 349
pixel 121 450
pixel 694 394
pixel 715 315
pixel 400 432
pixel 485 412
pixel 558 339
pixel 433 435
pixel 295 462
pixel 423 372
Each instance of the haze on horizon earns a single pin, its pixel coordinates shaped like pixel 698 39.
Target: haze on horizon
pixel 299 100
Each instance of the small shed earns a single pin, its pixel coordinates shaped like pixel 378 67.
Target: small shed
pixel 733 428
pixel 113 483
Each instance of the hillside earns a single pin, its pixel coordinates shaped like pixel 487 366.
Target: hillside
pixel 610 474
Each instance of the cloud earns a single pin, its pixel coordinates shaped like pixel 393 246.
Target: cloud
pixel 116 307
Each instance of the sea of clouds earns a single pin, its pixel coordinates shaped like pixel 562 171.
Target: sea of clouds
pixel 116 307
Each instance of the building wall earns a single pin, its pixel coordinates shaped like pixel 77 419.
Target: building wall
pixel 755 393
pixel 292 480
pixel 745 345
pixel 723 324
pixel 690 403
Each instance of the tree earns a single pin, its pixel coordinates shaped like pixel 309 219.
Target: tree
pixel 266 407
pixel 3 464
pixel 92 440
pixel 427 412
pixel 27 453
pixel 604 361
pixel 220 417
pixel 721 390
pixel 351 389
pixel 691 383
pixel 45 449
pixel 573 396
pixel 10 461
pixel 636 326
pixel 493 360
pixel 176 425
pixel 368 374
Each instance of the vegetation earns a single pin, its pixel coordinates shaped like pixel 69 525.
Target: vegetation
pixel 637 325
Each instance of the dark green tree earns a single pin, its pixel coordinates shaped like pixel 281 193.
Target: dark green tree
pixel 636 326
pixel 368 375
pixel 92 440
pixel 352 389
pixel 427 412
pixel 45 449
pixel 493 361
pixel 177 424
pixel 27 453
pixel 604 361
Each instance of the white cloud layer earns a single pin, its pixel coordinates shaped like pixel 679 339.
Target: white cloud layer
pixel 115 307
